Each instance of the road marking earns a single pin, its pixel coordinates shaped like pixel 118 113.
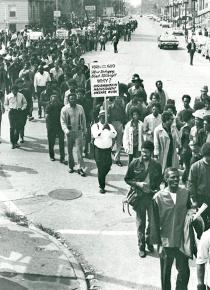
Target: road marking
pixel 97 232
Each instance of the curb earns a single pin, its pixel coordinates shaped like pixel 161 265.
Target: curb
pixel 10 206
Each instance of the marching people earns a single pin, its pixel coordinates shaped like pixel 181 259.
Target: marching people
pixel 161 93
pixel 133 136
pixel 199 101
pixel 40 82
pixel 152 121
pixel 168 215
pixel 115 41
pixel 137 88
pixel 144 175
pixel 54 129
pixel 2 110
pixel 117 117
pixel 166 142
pixel 103 134
pixel 16 103
pixel 199 182
pixel 73 123
pixel 186 102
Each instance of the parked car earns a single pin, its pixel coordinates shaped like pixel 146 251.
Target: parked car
pixel 205 51
pixel 178 32
pixel 200 41
pixel 168 40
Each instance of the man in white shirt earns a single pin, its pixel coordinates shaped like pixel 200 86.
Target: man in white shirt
pixel 16 103
pixel 40 81
pixel 203 259
pixel 103 134
pixel 56 71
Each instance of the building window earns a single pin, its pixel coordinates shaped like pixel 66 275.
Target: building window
pixel 12 10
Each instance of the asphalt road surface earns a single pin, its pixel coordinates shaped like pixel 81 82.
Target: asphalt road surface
pixel 94 223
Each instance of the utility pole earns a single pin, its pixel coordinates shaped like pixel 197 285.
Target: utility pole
pixel 56 8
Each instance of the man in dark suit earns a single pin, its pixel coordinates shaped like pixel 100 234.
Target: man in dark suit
pixel 191 48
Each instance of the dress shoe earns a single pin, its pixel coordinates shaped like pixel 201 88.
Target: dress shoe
pixel 142 253
pixel 102 190
pixel 64 162
pixel 13 146
pixel 71 170
pixel 81 172
pixel 17 145
pixel 22 141
pixel 52 159
pixel 150 248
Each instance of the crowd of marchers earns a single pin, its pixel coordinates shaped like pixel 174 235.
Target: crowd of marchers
pixel 166 149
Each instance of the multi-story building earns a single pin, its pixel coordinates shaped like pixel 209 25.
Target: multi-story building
pixel 203 13
pixel 14 14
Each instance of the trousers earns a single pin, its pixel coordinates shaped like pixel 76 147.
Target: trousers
pixel 52 133
pixel 118 140
pixel 39 91
pixel 166 260
pixel 15 125
pixel 143 209
pixel 75 139
pixel 103 160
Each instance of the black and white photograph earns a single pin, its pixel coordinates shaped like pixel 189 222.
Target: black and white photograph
pixel 104 144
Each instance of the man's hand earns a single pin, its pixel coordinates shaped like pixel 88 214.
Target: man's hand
pixel 67 132
pixel 143 186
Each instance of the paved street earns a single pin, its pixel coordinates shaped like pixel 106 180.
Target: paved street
pixel 95 224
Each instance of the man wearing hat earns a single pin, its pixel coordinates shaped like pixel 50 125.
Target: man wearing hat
pixel 199 182
pixel 137 88
pixel 199 102
pixel 103 134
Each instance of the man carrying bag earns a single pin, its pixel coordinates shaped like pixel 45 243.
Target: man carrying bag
pixel 144 175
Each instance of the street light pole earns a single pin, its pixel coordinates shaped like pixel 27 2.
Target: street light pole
pixel 194 11
pixel 56 7
pixel 185 16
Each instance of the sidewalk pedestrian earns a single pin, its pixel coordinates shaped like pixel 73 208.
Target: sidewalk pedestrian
pixel 73 123
pixel 115 41
pixel 103 134
pixel 144 175
pixel 16 103
pixel 191 48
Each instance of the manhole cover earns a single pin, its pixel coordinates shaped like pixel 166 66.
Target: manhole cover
pixel 65 194
pixel 10 285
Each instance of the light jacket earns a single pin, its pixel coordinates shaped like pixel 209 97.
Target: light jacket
pixel 128 137
pixel 161 144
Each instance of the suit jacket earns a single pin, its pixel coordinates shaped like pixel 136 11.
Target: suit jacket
pixel 189 47
pixel 167 218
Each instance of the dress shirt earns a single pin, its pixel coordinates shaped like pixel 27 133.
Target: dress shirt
pixel 56 73
pixel 103 138
pixel 173 196
pixel 40 80
pixel 15 102
pixel 150 123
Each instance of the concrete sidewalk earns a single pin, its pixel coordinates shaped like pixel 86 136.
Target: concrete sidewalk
pixel 31 259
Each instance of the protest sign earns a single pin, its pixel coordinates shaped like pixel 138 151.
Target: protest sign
pixel 104 80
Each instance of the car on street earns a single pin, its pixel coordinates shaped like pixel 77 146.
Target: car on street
pixel 178 32
pixel 205 51
pixel 168 40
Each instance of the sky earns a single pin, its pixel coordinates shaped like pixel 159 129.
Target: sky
pixel 135 2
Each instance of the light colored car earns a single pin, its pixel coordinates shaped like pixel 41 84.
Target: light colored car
pixel 178 32
pixel 205 51
pixel 168 40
